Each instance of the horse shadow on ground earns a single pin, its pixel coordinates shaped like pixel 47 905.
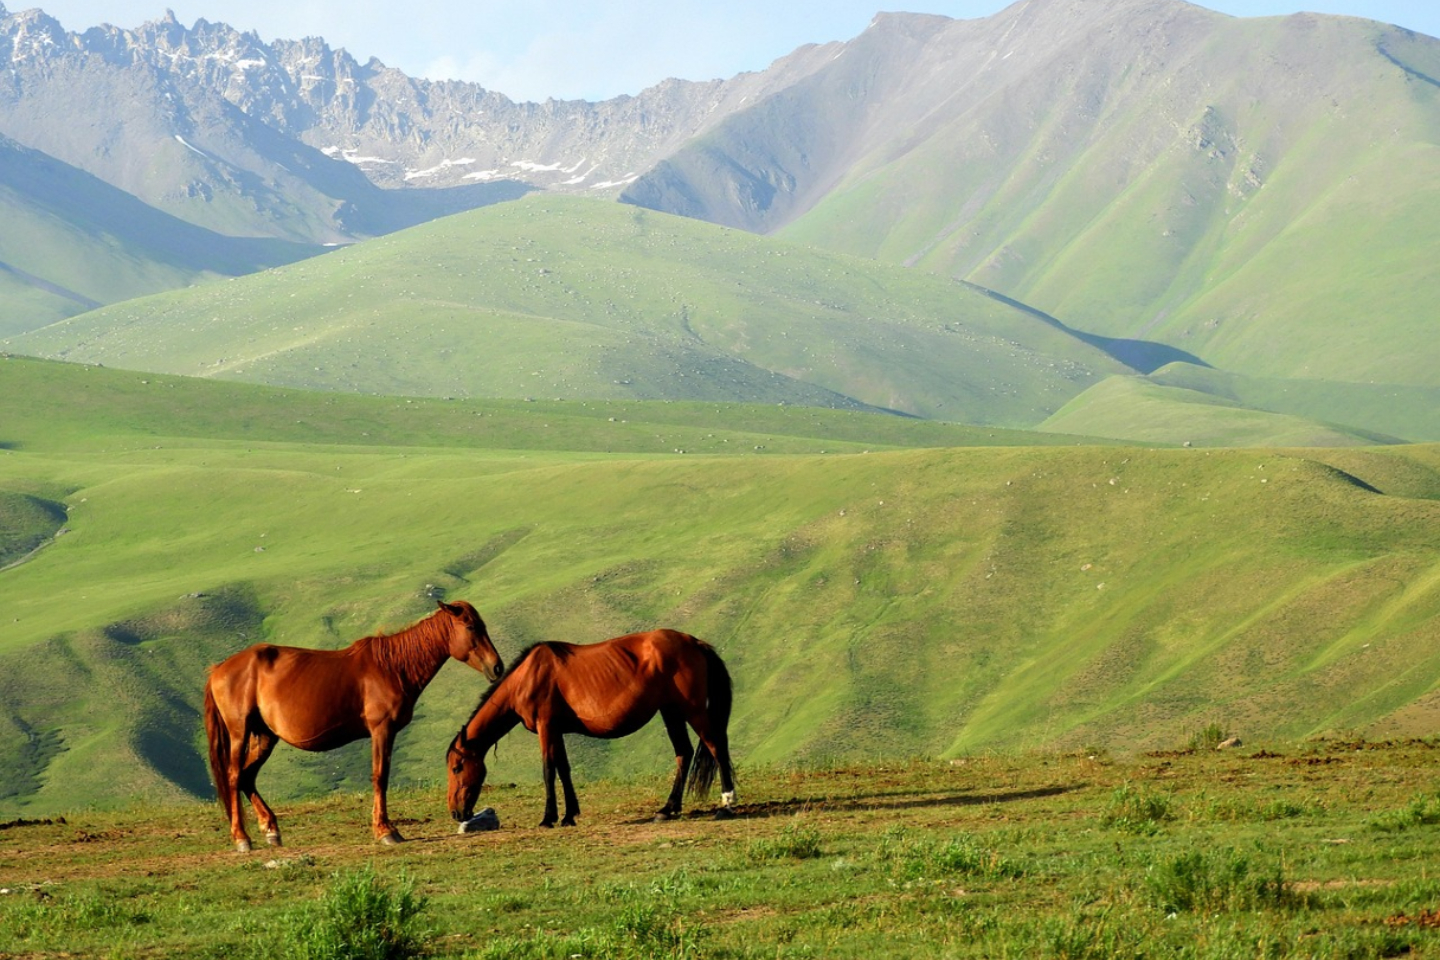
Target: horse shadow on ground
pixel 892 800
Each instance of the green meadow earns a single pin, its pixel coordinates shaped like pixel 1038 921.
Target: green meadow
pixel 881 587
pixel 1321 849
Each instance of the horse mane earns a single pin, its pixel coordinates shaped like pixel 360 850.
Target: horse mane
pixel 558 650
pixel 409 653
pixel 509 672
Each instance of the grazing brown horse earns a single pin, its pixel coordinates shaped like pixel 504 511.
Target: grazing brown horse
pixel 323 699
pixel 607 690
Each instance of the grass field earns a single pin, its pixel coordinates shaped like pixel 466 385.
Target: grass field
pixel 1312 849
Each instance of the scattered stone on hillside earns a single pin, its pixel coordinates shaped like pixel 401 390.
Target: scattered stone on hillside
pixel 283 863
pixel 1229 744
pixel 486 819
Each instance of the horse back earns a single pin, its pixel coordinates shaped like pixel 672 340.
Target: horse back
pixel 611 688
pixel 312 699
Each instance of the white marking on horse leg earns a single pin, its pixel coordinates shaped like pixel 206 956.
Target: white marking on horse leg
pixel 273 838
pixel 727 799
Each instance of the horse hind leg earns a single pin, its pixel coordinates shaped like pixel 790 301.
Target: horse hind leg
pixel 260 745
pixel 720 749
pixel 684 755
pixel 714 758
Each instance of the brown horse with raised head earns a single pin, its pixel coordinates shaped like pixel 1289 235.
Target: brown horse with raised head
pixel 322 699
pixel 609 689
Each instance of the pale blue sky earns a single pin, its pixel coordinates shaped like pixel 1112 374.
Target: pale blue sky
pixel 534 49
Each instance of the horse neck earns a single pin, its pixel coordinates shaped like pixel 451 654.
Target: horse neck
pixel 494 718
pixel 415 654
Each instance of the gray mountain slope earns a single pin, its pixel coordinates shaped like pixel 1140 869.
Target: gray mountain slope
pixel 72 242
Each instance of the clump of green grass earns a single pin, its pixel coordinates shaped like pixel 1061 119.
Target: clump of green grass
pixel 1208 737
pixel 644 923
pixel 360 917
pixel 794 842
pixel 1226 880
pixel 644 928
pixel 1420 812
pixel 1243 810
pixel 916 859
pixel 1088 936
pixel 1138 810
pixel 49 920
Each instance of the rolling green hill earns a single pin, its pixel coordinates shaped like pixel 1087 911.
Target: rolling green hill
pixel 1140 410
pixel 553 297
pixel 1202 406
pixel 937 600
pixel 1409 412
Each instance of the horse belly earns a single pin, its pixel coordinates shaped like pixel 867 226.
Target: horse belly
pixel 624 729
pixel 312 709
pixel 620 720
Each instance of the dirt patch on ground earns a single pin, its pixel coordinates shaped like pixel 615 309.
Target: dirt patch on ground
pixel 1311 886
pixel 1429 919
pixel 22 822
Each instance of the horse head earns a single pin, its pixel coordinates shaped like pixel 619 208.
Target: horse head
pixel 465 766
pixel 470 641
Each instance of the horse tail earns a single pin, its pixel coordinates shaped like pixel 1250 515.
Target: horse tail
pixel 219 736
pixel 717 710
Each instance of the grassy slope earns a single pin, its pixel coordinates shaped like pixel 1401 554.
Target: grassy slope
pixel 1138 409
pixel 1276 222
pixel 554 297
pixel 870 604
pixel 1409 412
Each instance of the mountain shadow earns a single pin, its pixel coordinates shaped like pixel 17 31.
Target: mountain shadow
pixel 1143 356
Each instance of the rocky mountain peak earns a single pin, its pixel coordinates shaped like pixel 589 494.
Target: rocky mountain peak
pixel 237 107
pixel 30 35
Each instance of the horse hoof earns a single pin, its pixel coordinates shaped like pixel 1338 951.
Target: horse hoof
pixel 724 813
pixel 663 816
pixel 392 839
pixel 242 846
pixel 273 839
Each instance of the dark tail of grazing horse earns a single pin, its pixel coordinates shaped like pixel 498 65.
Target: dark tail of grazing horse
pixel 705 766
pixel 219 736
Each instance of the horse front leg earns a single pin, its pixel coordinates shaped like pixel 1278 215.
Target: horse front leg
pixel 381 740
pixel 557 763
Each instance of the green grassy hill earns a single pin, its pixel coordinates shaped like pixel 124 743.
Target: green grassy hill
pixel 1409 412
pixel 1141 410
pixel 873 598
pixel 551 297
pixel 1182 403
